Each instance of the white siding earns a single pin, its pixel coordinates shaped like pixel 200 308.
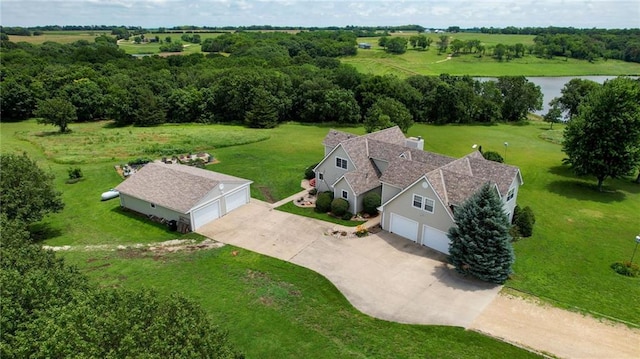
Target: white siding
pixel 144 207
pixel 401 205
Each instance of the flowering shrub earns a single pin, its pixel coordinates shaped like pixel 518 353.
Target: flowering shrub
pixel 361 231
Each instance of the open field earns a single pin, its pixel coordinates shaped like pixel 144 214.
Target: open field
pixel 63 37
pixel 413 62
pixel 131 47
pixel 578 234
pixel 417 62
pixel 274 309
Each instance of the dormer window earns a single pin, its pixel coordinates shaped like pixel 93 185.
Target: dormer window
pixel 341 163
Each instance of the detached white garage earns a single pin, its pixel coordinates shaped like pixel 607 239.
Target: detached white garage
pixel 188 195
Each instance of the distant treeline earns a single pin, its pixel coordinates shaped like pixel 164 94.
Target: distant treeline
pixel 270 79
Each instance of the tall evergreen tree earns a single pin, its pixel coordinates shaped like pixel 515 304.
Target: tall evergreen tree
pixel 480 244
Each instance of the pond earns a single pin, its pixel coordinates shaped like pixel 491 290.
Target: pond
pixel 551 86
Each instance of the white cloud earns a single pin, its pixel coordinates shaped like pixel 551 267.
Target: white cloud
pixel 430 13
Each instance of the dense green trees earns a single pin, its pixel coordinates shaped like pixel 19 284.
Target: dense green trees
pixel 56 111
pixel 27 192
pixel 573 93
pixel 387 112
pixel 480 244
pixel 277 77
pixel 520 97
pixel 603 140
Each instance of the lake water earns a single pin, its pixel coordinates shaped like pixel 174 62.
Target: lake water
pixel 551 86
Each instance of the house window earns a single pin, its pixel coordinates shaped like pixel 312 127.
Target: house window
pixel 321 176
pixel 417 201
pixel 341 163
pixel 429 205
pixel 345 194
pixel 152 205
pixel 423 203
pixel 510 194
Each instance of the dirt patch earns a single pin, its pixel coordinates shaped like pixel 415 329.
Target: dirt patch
pixel 266 193
pixel 547 329
pixel 138 250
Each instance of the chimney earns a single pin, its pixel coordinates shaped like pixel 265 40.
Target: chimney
pixel 415 142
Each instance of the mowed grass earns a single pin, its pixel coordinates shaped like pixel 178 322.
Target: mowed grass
pixel 63 37
pixel 579 231
pixel 274 309
pixel 290 207
pixel 418 62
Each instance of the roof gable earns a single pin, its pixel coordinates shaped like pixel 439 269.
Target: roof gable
pixel 174 186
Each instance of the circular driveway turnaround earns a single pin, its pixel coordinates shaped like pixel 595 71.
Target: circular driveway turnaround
pixel 382 275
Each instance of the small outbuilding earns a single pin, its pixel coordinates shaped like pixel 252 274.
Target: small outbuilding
pixel 190 196
pixel 364 45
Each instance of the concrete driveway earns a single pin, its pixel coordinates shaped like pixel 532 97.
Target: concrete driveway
pixel 382 275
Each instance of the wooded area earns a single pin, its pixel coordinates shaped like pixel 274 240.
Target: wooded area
pixel 262 79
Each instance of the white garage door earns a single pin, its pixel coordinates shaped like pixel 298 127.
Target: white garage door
pixel 436 239
pixel 236 199
pixel 404 227
pixel 206 214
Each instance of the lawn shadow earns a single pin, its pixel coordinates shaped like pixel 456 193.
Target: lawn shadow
pixel 114 124
pixel 52 133
pixel 585 191
pixel 42 231
pixel 564 171
pixel 141 218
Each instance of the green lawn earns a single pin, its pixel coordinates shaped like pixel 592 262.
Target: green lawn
pixel 578 234
pixel 274 309
pixel 419 62
pixel 311 213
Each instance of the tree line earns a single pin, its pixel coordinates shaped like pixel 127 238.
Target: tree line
pixel 272 79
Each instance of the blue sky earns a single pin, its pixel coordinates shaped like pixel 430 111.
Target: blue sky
pixel 428 13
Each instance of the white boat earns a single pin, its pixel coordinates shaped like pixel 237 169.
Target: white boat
pixel 112 193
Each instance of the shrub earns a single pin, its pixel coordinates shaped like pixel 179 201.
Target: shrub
pixel 339 207
pixel 323 202
pixel 313 191
pixel 493 156
pixel 139 161
pixel 347 216
pixel 308 173
pixel 524 219
pixel 626 268
pixel 74 173
pixel 361 231
pixel 370 203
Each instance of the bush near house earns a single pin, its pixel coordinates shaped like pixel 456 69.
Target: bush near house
pixel 339 207
pixel 308 172
pixel 493 156
pixel 370 203
pixel 323 202
pixel 523 221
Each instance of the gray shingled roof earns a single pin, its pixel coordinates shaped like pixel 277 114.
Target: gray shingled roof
pixel 334 137
pixel 174 186
pixel 454 180
pixel 401 172
pixel 362 182
pixel 389 135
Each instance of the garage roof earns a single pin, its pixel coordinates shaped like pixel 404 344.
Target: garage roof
pixel 174 186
